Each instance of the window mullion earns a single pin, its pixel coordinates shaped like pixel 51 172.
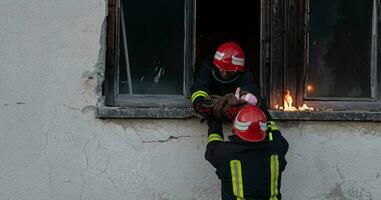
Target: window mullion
pixel 126 56
pixel 374 84
pixel 277 53
pixel 189 48
pixel 117 50
pixel 111 54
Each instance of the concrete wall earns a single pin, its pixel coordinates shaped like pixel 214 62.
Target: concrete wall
pixel 52 146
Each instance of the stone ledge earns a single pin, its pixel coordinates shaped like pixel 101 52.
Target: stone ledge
pixel 185 110
pixel 326 115
pixel 144 112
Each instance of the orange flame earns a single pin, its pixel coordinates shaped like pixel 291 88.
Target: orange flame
pixel 287 102
pixel 310 88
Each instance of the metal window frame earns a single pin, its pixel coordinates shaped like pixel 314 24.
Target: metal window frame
pixel 289 56
pixel 283 46
pixel 373 65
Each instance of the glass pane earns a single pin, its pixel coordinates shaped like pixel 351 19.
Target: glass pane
pixel 154 34
pixel 340 43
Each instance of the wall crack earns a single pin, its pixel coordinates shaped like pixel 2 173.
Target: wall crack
pixel 166 140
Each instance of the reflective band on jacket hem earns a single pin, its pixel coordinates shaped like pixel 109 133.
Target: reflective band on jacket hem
pixel 274 165
pixel 214 137
pixel 236 172
pixel 198 93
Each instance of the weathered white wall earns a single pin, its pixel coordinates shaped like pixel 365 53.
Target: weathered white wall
pixel 333 160
pixel 52 146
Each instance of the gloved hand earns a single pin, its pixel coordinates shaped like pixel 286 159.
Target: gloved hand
pixel 237 93
pixel 202 109
pixel 250 98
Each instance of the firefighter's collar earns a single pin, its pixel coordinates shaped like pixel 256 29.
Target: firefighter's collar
pixel 222 80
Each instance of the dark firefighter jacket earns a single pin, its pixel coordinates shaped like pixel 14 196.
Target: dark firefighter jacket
pixel 209 82
pixel 248 170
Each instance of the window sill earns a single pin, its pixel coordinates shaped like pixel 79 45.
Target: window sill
pixel 326 115
pixel 180 110
pixel 184 109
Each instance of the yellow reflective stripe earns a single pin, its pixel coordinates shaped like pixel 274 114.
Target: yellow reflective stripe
pixel 236 172
pixel 273 126
pixel 274 170
pixel 270 137
pixel 198 93
pixel 214 137
pixel 277 175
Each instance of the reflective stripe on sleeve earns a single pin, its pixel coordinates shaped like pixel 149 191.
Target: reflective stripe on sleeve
pixel 274 165
pixel 198 93
pixel 273 125
pixel 236 172
pixel 214 137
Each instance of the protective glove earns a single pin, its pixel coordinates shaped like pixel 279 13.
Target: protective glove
pixel 237 93
pixel 250 98
pixel 247 97
pixel 202 109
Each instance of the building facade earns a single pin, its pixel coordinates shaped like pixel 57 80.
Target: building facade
pixel 67 133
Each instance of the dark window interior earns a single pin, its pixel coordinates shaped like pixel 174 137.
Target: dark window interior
pixel 222 21
pixel 155 46
pixel 340 44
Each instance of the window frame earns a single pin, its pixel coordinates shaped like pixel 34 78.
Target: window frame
pixel 284 29
pixel 374 81
pixel 286 68
pixel 115 105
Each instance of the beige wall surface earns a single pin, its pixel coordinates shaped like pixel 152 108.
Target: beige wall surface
pixel 53 147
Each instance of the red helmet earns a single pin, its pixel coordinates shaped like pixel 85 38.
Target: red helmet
pixel 250 124
pixel 229 57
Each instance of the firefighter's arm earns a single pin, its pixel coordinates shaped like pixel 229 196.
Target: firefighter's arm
pixel 285 147
pixel 215 139
pixel 199 103
pixel 247 84
pixel 281 142
pixel 200 90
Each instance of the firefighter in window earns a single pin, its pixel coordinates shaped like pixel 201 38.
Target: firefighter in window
pixel 250 165
pixel 223 86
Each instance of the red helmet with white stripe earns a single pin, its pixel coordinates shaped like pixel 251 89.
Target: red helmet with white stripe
pixel 250 124
pixel 229 57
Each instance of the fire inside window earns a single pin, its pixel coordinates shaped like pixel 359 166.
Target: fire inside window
pixel 341 61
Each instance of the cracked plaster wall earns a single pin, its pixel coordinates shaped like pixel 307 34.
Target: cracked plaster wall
pixel 52 146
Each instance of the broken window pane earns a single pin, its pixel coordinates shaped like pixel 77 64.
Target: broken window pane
pixel 340 49
pixel 153 61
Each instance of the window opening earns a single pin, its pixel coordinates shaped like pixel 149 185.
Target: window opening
pixel 152 41
pixel 340 64
pixel 238 21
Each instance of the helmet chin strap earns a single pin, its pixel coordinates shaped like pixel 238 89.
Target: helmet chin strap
pixel 221 80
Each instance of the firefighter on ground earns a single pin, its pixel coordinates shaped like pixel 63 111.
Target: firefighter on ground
pixel 251 163
pixel 224 74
